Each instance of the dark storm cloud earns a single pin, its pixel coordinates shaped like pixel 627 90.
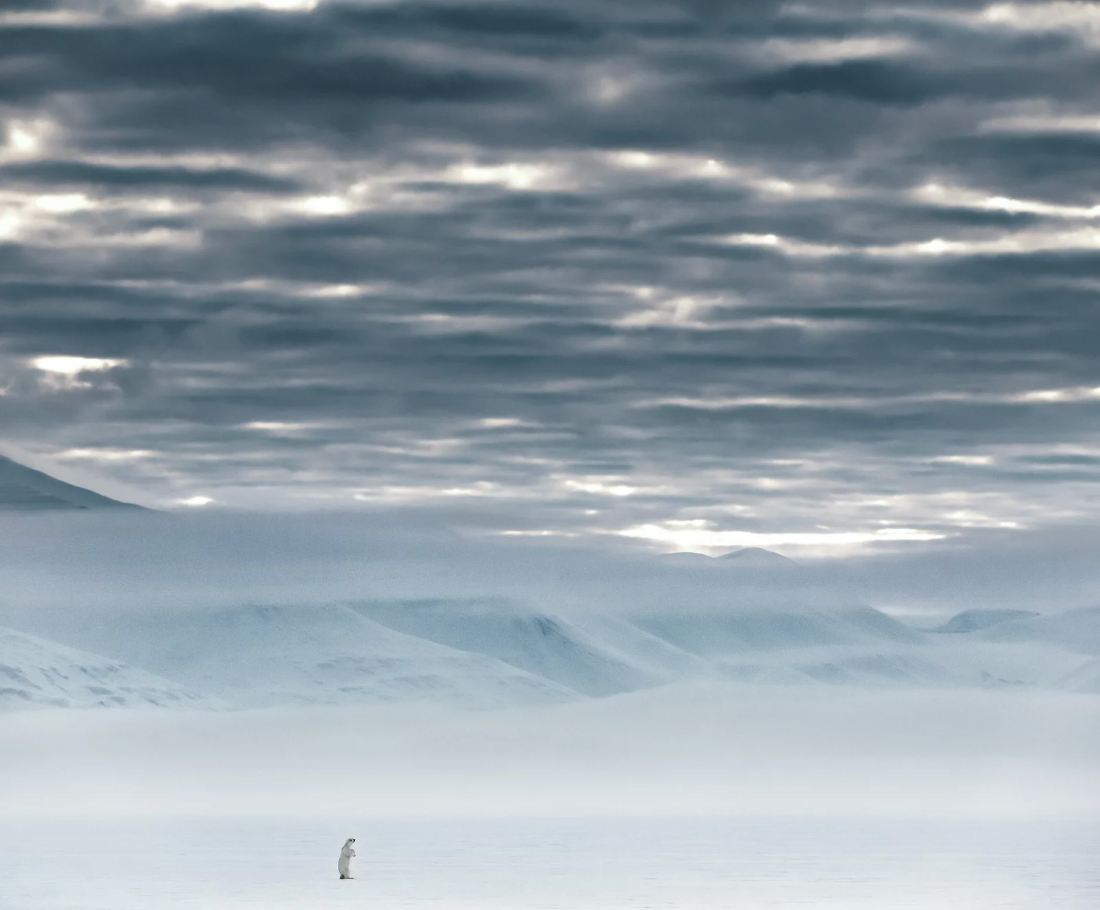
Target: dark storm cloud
pixel 561 266
pixel 45 174
pixel 236 79
pixel 1057 167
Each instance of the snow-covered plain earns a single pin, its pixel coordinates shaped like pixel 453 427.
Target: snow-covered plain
pixel 700 796
pixel 744 863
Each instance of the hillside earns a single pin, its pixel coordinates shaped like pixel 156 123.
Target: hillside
pixel 258 656
pixel 1084 679
pixel 594 656
pixel 24 489
pixel 36 673
pixel 976 620
pixel 1076 630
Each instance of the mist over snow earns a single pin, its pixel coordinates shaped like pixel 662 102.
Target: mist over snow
pixel 683 750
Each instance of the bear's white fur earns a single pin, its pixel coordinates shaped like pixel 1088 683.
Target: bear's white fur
pixel 344 863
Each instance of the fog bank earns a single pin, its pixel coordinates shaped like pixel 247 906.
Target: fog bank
pixel 693 749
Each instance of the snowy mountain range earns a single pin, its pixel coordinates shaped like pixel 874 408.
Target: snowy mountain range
pixel 483 655
pixel 749 618
pixel 260 656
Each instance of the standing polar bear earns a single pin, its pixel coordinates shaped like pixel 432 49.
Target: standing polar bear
pixel 344 863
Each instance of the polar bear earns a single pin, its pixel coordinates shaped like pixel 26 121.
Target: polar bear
pixel 344 863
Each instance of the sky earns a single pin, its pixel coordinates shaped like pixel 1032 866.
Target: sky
pixel 690 274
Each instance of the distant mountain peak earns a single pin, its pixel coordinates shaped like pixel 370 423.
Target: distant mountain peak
pixel 24 489
pixel 977 620
pixel 685 557
pixel 757 557
pixel 746 557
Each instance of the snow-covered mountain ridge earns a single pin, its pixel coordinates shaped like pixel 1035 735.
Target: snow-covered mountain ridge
pixel 39 673
pixel 24 489
pixel 482 655
pixel 261 656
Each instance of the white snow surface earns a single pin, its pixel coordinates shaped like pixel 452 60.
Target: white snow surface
pixel 1077 630
pixel 529 863
pixel 1084 679
pixel 747 630
pixel 260 656
pixel 36 673
pixel 704 795
pixel 595 656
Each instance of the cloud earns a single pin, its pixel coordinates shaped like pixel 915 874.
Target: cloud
pixel 695 536
pixel 346 254
pixel 117 178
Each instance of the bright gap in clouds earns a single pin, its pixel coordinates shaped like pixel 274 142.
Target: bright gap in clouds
pixel 698 536
pixel 68 365
pixel 104 454
pixel 835 50
pixel 25 138
pixel 1072 15
pixel 275 5
pixel 1019 243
